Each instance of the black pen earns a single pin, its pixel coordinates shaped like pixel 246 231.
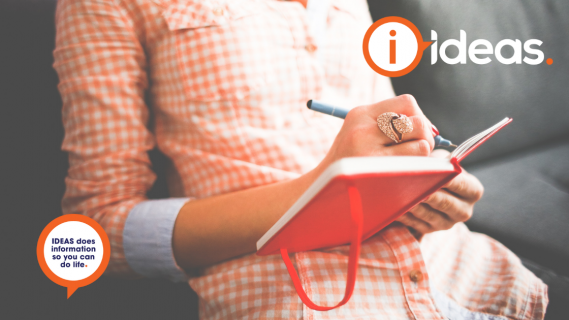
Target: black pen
pixel 342 112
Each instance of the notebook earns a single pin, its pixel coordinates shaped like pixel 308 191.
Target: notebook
pixel 354 198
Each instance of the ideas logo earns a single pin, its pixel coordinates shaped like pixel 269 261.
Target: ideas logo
pixel 393 47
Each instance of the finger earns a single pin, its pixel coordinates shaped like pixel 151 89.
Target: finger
pixel 403 104
pixel 416 224
pixel 410 148
pixel 455 208
pixel 421 130
pixel 440 153
pixel 466 186
pixel 436 219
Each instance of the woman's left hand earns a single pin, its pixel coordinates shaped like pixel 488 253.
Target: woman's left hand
pixel 451 204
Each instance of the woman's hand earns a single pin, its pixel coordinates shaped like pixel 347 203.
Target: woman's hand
pixel 360 135
pixel 441 210
pixel 221 227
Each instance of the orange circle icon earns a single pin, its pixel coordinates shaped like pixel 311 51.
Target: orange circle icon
pixel 393 46
pixel 96 249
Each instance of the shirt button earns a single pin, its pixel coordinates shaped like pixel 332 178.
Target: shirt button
pixel 415 275
pixel 310 47
pixel 218 11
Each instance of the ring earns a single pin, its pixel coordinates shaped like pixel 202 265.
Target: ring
pixel 394 125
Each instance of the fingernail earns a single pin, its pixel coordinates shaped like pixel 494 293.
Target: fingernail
pixel 435 130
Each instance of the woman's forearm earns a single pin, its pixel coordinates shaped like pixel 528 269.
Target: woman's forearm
pixel 211 230
pixel 218 228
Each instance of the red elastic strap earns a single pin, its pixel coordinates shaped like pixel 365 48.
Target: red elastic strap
pixel 357 218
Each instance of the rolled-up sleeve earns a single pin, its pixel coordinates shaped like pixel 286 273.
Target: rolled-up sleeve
pixel 147 238
pixel 102 71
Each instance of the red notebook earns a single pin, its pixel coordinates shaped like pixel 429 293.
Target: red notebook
pixel 354 198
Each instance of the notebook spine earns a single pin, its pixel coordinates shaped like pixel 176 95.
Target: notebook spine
pixel 456 164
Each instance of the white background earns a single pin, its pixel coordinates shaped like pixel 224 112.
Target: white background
pixel 75 230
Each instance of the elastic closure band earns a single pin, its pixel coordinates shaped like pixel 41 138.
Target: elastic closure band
pixel 355 246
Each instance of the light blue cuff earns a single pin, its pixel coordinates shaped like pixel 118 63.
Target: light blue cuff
pixel 147 238
pixel 453 311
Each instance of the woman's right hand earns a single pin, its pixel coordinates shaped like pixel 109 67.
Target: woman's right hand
pixel 221 227
pixel 361 137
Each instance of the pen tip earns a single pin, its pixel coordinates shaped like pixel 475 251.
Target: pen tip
pixel 309 104
pixel 453 145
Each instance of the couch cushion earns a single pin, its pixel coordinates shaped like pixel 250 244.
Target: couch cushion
pixel 526 204
pixel 463 99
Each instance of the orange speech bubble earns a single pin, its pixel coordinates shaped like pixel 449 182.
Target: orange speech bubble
pixel 73 285
pixel 417 46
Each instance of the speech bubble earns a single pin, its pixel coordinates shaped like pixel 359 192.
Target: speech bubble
pixel 393 46
pixel 90 247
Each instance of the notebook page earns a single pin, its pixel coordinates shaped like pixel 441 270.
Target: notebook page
pixel 466 145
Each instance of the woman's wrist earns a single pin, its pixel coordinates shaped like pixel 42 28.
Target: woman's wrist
pixel 222 227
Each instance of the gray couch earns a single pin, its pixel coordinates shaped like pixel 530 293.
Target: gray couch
pixel 525 168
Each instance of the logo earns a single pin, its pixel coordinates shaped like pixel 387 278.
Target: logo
pixel 73 251
pixel 393 47
pixel 480 49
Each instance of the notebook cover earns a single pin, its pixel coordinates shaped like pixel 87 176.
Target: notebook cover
pixel 326 222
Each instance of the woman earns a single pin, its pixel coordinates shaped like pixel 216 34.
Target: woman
pixel 227 82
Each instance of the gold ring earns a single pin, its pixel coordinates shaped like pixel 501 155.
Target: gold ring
pixel 394 125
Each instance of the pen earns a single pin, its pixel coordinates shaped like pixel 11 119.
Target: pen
pixel 342 112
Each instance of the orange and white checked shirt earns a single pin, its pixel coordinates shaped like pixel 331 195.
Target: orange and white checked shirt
pixel 227 82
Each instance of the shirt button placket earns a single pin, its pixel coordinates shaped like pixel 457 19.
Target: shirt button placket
pixel 416 275
pixel 310 47
pixel 218 11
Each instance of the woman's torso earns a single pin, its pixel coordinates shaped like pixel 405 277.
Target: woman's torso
pixel 229 84
pixel 230 81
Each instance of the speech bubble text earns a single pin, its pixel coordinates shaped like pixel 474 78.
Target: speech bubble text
pixel 73 251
